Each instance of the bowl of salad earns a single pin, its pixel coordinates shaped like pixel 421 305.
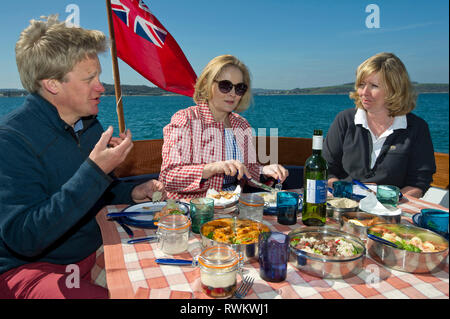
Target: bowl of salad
pixel 326 252
pixel 406 248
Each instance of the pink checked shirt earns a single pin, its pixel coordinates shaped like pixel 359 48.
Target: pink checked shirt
pixel 192 139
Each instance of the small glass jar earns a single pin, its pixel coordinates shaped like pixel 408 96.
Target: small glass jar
pixel 251 206
pixel 173 234
pixel 218 269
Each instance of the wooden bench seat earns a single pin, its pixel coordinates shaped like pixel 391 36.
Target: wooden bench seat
pixel 145 157
pixel 440 178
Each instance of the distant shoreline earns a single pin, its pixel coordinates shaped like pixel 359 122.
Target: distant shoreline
pixel 344 89
pixel 337 93
pixel 169 95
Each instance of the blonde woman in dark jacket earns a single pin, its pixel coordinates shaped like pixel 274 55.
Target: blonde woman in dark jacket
pixel 381 141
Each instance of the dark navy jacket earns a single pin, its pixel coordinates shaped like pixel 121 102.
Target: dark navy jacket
pixel 406 158
pixel 50 190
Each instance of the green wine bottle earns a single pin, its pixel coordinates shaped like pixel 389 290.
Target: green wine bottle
pixel 315 183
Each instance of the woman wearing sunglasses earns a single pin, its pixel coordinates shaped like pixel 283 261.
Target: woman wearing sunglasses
pixel 209 145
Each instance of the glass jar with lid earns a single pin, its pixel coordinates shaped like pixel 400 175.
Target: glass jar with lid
pixel 251 206
pixel 218 269
pixel 173 234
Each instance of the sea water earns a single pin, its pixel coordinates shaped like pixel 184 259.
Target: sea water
pixel 288 115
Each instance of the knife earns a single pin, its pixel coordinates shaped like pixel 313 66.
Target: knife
pixel 355 181
pixel 125 228
pixel 261 185
pixel 142 239
pixel 129 213
pixel 175 262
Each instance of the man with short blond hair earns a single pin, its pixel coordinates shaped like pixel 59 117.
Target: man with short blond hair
pixel 56 166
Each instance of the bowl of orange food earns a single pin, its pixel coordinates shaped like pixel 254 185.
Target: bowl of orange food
pixel 417 250
pixel 240 234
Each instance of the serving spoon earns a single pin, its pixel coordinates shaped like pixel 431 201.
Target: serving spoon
pixel 381 240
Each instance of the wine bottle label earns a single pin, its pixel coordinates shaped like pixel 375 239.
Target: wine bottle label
pixel 316 191
pixel 317 142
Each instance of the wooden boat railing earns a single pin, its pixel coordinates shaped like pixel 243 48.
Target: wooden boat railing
pixel 441 177
pixel 145 157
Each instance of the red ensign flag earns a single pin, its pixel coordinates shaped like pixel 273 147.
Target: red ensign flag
pixel 144 44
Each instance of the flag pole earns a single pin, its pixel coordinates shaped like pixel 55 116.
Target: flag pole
pixel 119 104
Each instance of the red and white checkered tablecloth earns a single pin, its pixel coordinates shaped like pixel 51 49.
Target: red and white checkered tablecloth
pixel 130 271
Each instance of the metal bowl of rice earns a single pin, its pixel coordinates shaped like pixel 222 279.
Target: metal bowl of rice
pixel 326 252
pixel 337 206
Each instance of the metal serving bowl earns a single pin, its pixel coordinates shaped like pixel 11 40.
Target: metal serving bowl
pixel 324 266
pixel 249 251
pixel 408 261
pixel 227 208
pixel 361 231
pixel 336 212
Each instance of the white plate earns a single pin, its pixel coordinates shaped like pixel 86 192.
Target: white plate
pixel 223 202
pixel 148 209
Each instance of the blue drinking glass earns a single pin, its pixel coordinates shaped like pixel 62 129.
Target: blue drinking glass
pixel 388 195
pixel 342 189
pixel 273 250
pixel 201 211
pixel 287 207
pixel 435 220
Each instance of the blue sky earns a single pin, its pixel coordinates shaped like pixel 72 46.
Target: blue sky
pixel 285 43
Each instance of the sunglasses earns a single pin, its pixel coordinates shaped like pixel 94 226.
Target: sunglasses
pixel 226 86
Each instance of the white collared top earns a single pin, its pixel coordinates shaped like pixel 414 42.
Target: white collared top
pixel 361 119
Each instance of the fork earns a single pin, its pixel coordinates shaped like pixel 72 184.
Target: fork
pixel 156 198
pixel 278 185
pixel 244 288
